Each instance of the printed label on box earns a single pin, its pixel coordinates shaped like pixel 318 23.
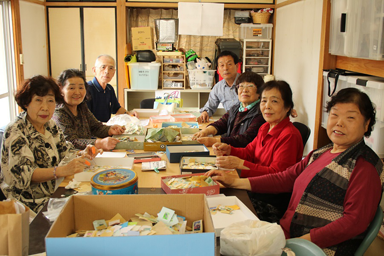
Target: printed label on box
pixel 257 32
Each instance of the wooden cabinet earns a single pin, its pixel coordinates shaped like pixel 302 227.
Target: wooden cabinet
pixel 257 56
pixel 77 35
pixel 173 71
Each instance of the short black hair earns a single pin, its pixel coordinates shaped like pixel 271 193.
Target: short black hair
pixel 227 53
pixel 250 77
pixel 71 73
pixel 285 91
pixel 37 85
pixel 361 99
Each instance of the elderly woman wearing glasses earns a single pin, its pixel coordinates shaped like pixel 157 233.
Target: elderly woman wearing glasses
pixel 277 146
pixel 239 126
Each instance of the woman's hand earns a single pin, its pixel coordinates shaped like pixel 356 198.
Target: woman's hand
pixel 202 133
pixel 134 113
pixel 222 177
pixel 221 149
pixel 208 141
pixel 229 162
pixel 107 143
pixel 229 180
pixel 116 130
pixel 91 151
pixel 75 166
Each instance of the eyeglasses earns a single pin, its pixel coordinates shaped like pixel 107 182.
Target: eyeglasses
pixel 110 68
pixel 242 86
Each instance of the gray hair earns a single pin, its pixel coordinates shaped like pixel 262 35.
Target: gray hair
pixel 104 55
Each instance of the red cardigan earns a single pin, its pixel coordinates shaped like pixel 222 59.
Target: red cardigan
pixel 271 152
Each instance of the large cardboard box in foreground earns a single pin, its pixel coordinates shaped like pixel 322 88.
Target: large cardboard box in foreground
pixel 142 38
pixel 80 211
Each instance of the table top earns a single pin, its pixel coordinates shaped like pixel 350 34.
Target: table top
pixel 149 182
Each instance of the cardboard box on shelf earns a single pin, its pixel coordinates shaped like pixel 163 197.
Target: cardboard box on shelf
pixel 209 190
pixel 80 211
pixel 142 38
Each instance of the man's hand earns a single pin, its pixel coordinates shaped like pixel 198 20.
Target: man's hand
pixel 203 118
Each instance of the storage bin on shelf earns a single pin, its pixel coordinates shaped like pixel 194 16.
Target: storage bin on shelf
pixel 144 75
pixel 374 88
pixel 255 31
pixel 201 79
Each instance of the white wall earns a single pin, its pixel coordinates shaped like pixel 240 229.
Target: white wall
pixel 34 39
pixel 296 56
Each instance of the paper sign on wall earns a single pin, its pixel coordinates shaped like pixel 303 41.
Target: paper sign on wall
pixel 201 19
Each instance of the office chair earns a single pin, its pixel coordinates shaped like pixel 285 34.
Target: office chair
pixel 304 131
pixel 302 247
pixel 373 229
pixel 147 103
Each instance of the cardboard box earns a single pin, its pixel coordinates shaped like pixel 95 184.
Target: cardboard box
pixel 210 190
pixel 160 146
pixel 139 144
pixel 184 117
pixel 222 220
pixel 156 121
pixel 185 160
pixel 176 152
pixel 80 211
pixel 194 125
pixel 142 38
pixel 143 112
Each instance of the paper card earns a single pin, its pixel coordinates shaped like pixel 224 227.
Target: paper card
pixel 117 217
pixel 150 166
pixel 161 229
pixel 165 215
pixel 99 224
pixel 132 233
pixel 112 154
pixel 141 222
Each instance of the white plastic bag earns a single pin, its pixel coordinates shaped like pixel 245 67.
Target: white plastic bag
pixel 132 124
pixel 252 237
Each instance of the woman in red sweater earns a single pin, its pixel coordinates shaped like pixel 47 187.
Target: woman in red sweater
pixel 337 188
pixel 277 146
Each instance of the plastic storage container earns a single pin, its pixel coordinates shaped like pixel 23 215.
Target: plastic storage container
pixel 357 28
pixel 201 79
pixel 374 88
pixel 144 76
pixel 255 31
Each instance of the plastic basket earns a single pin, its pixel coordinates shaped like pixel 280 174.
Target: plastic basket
pixel 260 17
pixel 201 79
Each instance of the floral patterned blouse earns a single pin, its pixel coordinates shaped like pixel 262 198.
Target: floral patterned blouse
pixel 25 149
pixel 80 130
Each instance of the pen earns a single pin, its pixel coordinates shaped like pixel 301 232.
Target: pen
pixel 156 170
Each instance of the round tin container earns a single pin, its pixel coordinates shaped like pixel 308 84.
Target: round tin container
pixel 114 181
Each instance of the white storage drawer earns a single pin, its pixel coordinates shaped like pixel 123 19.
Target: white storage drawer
pixel 357 28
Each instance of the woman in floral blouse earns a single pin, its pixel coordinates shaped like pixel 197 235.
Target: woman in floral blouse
pixel 78 123
pixel 35 156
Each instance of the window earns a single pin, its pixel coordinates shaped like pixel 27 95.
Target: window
pixel 7 84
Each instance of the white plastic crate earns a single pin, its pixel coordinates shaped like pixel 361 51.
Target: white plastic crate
pixel 144 75
pixel 255 31
pixel 201 79
pixel 357 28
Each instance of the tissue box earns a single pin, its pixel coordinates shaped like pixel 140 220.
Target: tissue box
pixel 175 152
pixel 209 190
pixel 80 211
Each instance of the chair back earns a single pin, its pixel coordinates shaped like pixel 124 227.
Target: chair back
pixel 147 103
pixel 302 247
pixel 373 229
pixel 304 131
